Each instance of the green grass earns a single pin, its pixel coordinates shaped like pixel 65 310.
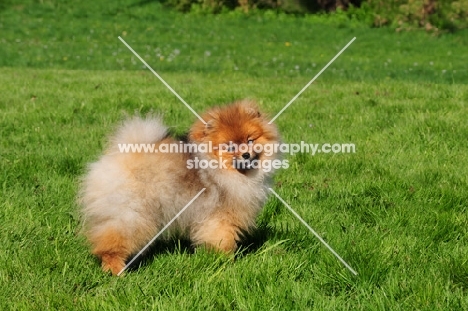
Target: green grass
pixel 395 210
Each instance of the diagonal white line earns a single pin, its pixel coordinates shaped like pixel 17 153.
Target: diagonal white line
pixel 160 232
pixel 315 233
pixel 162 80
pixel 311 81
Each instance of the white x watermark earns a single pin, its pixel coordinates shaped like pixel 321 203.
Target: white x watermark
pixel 271 190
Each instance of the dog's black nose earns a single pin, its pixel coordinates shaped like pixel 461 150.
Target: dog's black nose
pixel 246 155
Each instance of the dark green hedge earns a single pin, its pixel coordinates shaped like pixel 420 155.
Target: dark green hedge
pixel 433 15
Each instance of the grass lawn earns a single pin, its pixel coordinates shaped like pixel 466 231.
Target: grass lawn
pixel 395 209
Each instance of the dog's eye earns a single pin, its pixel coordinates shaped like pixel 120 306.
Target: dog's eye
pixel 250 141
pixel 231 148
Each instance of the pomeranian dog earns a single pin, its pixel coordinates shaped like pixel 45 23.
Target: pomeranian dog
pixel 129 195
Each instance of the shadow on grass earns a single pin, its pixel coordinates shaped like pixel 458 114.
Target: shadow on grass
pixel 251 243
pixel 159 247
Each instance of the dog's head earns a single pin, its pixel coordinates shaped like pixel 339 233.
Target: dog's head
pixel 239 135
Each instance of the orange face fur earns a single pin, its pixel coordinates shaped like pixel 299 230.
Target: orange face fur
pixel 234 132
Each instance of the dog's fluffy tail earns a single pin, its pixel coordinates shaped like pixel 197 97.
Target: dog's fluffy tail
pixel 137 130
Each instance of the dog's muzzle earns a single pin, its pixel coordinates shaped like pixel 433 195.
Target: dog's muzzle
pixel 245 162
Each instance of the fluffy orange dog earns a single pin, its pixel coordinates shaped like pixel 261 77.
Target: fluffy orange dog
pixel 128 197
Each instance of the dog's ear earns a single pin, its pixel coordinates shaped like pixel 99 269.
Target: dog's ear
pixel 200 130
pixel 209 125
pixel 211 118
pixel 250 107
pixel 253 112
pixel 197 132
